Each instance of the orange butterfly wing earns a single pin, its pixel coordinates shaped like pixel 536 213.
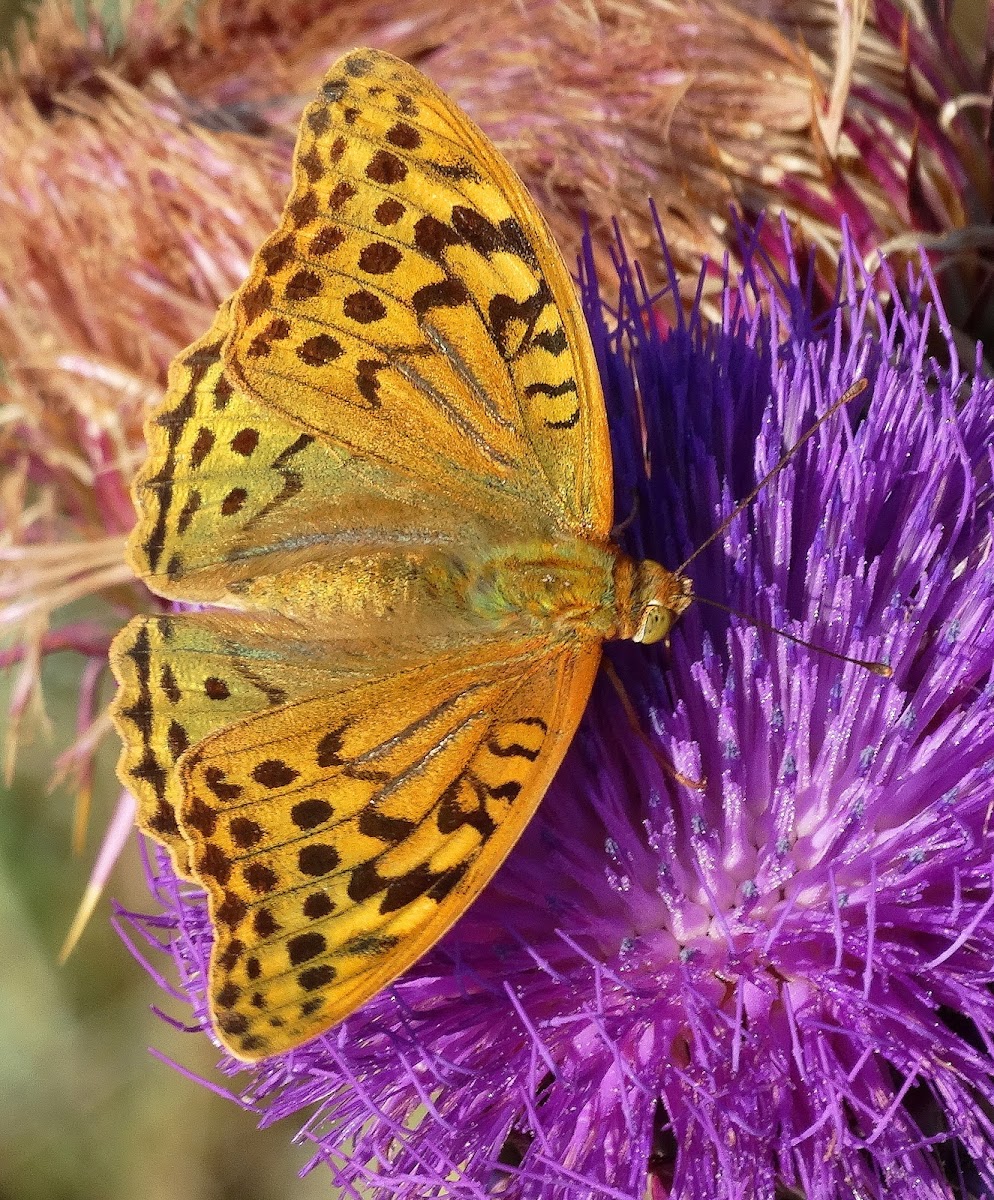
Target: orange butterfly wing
pixel 403 386
pixel 338 840
pixel 413 308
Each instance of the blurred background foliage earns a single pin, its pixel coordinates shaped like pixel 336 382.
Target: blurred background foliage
pixel 86 1113
pixel 19 15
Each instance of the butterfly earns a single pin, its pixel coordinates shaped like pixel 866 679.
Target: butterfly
pixel 380 487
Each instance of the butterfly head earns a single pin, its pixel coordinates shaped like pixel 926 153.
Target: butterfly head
pixel 655 599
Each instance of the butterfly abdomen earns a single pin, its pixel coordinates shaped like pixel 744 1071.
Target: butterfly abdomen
pixel 370 592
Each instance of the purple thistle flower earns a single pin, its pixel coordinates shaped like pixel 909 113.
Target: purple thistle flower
pixel 778 985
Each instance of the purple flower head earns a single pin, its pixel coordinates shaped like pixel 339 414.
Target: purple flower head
pixel 777 984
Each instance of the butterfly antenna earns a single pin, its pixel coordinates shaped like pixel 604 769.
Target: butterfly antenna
pixel 850 394
pixel 878 668
pixel 698 785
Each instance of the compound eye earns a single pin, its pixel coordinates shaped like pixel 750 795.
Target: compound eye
pixel 656 624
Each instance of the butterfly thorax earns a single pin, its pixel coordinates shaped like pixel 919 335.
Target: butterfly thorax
pixel 545 585
pixel 591 587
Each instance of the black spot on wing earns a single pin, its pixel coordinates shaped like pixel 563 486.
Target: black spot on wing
pixel 449 293
pixel 456 172
pixel 552 340
pixel 515 750
pixel 551 389
pixel 333 90
pixel 569 422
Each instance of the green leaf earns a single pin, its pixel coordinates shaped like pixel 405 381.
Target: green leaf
pixel 111 16
pixel 14 13
pixel 112 24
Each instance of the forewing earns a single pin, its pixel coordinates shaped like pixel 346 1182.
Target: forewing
pixel 413 309
pixel 231 490
pixel 339 837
